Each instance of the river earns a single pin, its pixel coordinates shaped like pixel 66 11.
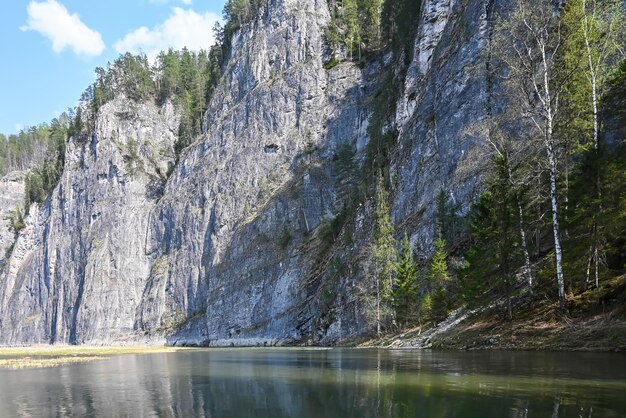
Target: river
pixel 277 382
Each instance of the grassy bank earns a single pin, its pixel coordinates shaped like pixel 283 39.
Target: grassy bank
pixel 58 355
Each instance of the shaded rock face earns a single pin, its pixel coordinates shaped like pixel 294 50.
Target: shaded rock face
pixel 223 250
pixel 446 92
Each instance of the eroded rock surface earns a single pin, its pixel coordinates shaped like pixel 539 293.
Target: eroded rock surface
pixel 221 248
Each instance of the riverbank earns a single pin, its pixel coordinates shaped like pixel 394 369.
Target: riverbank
pixel 57 355
pixel 595 321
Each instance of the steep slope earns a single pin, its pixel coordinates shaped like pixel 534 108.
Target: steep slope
pixel 78 266
pixel 227 235
pixel 446 91
pixel 228 250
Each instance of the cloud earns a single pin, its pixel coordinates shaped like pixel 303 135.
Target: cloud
pixel 187 2
pixel 51 19
pixel 184 28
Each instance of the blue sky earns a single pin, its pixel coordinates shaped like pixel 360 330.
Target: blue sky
pixel 51 47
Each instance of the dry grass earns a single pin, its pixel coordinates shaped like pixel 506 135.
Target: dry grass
pixel 43 362
pixel 595 321
pixel 57 355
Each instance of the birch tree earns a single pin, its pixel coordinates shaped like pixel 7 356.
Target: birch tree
pixel 525 45
pixel 595 32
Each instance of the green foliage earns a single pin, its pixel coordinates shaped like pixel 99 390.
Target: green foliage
pixel 345 27
pixel 328 293
pixel 365 27
pixel 185 77
pixel 494 255
pixel 77 125
pixel 381 142
pixel 371 25
pixel 597 217
pixel 346 170
pixel 40 151
pixel 32 147
pixel 129 75
pixel 382 262
pixel 398 22
pixel 613 105
pixel 17 220
pixel 594 35
pixel 33 189
pixel 385 253
pixel 236 14
pixel 437 277
pixel 447 220
pixel 332 63
pixel 405 292
pixel 331 229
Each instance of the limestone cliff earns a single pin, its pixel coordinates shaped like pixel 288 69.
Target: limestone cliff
pixel 222 247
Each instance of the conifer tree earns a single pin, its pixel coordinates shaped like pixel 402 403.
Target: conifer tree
pixel 405 292
pixel 494 255
pixel 437 277
pixel 384 255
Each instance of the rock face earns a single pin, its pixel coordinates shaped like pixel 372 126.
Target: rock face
pixel 446 92
pixel 11 200
pixel 225 249
pixel 78 268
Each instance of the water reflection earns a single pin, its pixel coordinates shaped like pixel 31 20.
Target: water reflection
pixel 324 383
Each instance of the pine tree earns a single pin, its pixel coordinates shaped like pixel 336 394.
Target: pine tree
pixel 384 255
pixel 405 292
pixel 371 12
pixel 494 255
pixel 437 277
pixel 597 221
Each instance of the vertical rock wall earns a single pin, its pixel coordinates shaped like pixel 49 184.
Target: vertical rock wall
pixel 224 250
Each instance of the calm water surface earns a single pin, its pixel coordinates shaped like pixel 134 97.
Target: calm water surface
pixel 324 383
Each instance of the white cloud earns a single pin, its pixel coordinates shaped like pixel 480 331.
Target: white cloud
pixel 51 19
pixel 187 2
pixel 184 28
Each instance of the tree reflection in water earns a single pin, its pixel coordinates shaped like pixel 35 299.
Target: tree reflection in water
pixel 323 383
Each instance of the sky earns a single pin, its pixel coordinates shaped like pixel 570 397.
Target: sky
pixel 50 48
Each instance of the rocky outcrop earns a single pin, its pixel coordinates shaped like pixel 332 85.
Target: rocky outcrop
pixel 11 201
pixel 223 247
pixel 78 267
pixel 231 228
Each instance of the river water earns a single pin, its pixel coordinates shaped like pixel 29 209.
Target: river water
pixel 324 383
